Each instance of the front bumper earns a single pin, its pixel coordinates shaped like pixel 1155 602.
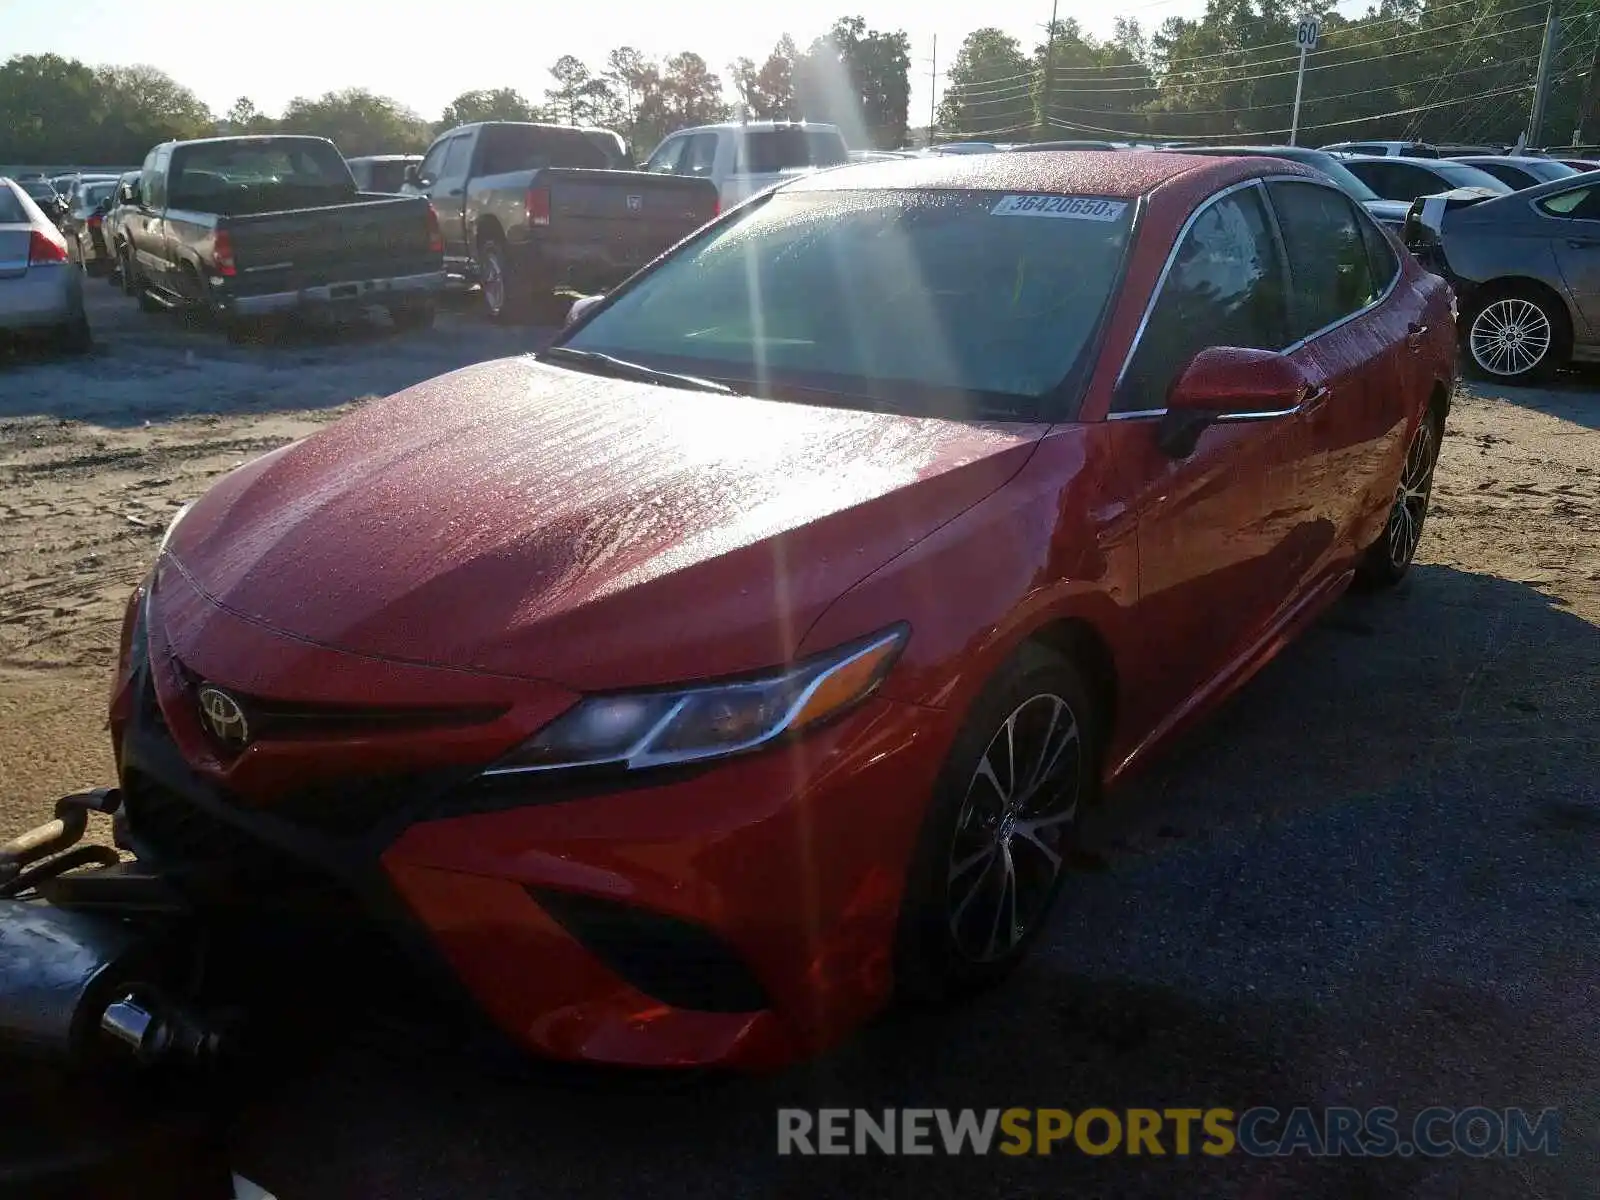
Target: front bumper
pixel 742 915
pixel 355 293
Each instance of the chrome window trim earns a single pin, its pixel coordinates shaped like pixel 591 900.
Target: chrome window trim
pixel 1261 182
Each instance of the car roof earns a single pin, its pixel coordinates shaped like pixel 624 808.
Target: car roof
pixel 1401 158
pixel 382 157
pixel 756 127
pixel 1124 175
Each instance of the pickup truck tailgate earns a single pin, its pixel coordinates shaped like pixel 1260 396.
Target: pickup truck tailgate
pixel 628 217
pixel 376 238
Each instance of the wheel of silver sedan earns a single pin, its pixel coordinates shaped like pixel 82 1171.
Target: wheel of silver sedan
pixel 1011 833
pixel 1510 336
pixel 1404 530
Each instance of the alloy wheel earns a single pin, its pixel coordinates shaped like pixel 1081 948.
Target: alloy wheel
pixel 1011 833
pixel 1511 336
pixel 494 280
pixel 1411 498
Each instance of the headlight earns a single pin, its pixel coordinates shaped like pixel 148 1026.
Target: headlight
pixel 651 729
pixel 171 525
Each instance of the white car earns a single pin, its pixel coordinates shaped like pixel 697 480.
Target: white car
pixel 745 158
pixel 1383 149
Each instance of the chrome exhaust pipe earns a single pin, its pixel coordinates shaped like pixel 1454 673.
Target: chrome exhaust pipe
pixel 156 1033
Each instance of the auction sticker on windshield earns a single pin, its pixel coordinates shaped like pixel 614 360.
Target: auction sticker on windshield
pixel 1081 208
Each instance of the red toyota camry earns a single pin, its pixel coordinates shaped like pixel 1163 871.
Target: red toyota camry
pixel 695 687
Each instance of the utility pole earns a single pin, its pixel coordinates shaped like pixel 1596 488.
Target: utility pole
pixel 1049 73
pixel 1541 87
pixel 1591 99
pixel 933 88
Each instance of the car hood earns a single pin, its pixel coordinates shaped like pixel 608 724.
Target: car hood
pixel 527 520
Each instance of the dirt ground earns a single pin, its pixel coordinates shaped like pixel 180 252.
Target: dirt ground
pixel 1373 879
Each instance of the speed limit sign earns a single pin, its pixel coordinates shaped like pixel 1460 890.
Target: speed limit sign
pixel 1305 34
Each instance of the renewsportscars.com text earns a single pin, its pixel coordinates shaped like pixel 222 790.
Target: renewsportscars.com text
pixel 1261 1132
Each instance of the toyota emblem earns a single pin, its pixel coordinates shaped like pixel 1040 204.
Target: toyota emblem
pixel 223 717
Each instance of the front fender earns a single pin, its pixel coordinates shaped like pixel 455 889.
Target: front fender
pixel 1041 549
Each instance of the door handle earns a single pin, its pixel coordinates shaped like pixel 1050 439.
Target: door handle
pixel 1415 333
pixel 453 192
pixel 1582 243
pixel 1314 398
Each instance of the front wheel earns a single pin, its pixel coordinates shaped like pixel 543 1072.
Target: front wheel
pixel 992 852
pixel 1517 337
pixel 1388 559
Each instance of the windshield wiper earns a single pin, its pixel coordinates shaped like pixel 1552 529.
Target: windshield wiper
pixel 621 368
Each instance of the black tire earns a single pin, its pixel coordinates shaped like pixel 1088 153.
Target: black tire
pixel 506 295
pixel 1388 560
pixel 1516 335
pixel 975 843
pixel 126 270
pixel 415 316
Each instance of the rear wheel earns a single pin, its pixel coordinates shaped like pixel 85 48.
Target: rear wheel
pixel 1517 336
pixel 991 856
pixel 503 291
pixel 1388 559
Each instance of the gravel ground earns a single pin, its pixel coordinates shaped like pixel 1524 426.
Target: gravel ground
pixel 1371 880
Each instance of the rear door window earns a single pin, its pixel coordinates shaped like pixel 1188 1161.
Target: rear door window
pixel 1330 273
pixel 1226 287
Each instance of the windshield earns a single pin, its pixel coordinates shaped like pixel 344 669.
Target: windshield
pixel 39 189
pixel 1460 175
pixel 252 174
pixel 93 193
pixel 942 303
pixel 768 151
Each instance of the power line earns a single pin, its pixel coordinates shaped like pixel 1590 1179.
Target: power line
pixel 1309 100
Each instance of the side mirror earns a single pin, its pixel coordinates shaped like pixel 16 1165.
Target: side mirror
pixel 413 176
pixel 1229 384
pixel 582 305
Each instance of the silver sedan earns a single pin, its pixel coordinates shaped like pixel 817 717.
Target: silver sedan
pixel 41 289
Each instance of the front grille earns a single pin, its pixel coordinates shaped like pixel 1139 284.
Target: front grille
pixel 289 720
pixel 678 963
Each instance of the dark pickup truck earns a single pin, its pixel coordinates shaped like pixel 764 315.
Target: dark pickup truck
pixel 251 226
pixel 528 209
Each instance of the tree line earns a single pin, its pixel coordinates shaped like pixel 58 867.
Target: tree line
pixel 1430 70
pixel 1445 70
pixel 58 110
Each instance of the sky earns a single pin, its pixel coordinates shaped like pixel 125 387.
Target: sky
pixel 273 50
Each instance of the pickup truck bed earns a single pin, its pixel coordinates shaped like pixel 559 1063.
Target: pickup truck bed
pixel 603 225
pixel 373 246
pixel 528 210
